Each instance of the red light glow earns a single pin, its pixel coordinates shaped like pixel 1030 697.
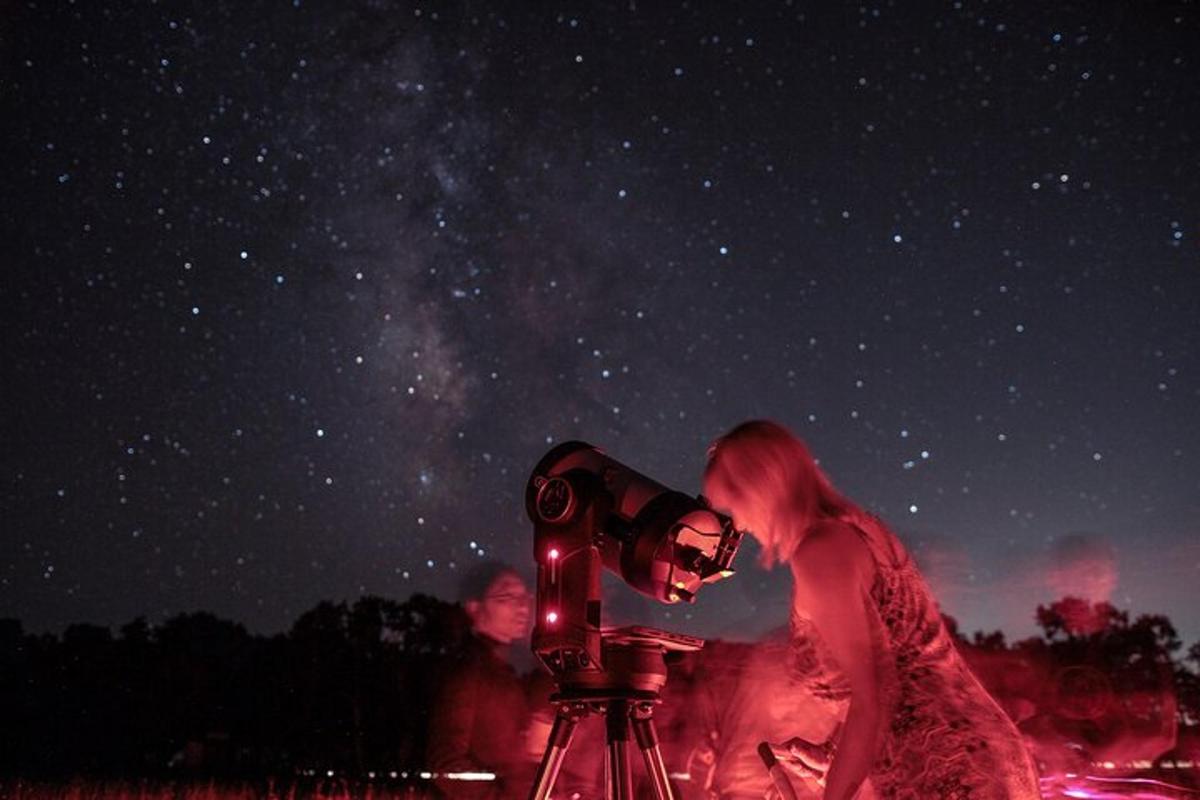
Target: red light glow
pixel 552 617
pixel 553 553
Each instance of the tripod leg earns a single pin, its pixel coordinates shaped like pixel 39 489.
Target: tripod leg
pixel 556 749
pixel 647 739
pixel 618 780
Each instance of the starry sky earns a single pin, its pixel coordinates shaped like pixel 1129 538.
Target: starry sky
pixel 296 293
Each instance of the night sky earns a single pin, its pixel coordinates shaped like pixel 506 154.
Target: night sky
pixel 295 294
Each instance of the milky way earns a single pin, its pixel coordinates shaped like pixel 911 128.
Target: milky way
pixel 296 294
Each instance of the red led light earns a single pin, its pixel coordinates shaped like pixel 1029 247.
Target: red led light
pixel 552 617
pixel 553 553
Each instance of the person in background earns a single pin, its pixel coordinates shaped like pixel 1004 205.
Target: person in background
pixel 866 629
pixel 477 734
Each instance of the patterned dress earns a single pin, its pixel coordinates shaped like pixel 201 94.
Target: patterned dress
pixel 946 737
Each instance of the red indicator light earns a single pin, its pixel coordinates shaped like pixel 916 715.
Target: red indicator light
pixel 552 617
pixel 553 553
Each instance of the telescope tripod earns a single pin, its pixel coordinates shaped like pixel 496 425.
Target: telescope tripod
pixel 621 708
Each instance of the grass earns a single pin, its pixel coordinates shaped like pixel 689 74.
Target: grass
pixel 268 789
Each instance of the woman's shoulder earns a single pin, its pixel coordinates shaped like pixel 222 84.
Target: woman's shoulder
pixel 832 532
pixel 832 545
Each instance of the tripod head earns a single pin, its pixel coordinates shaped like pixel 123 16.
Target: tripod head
pixel 591 511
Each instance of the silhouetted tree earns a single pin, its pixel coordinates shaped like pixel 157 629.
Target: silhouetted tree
pixel 321 730
pixel 203 666
pixel 430 631
pixel 18 696
pixel 1187 686
pixel 1112 683
pixel 349 687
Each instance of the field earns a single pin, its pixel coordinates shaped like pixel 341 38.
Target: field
pixel 83 789
pixel 1093 789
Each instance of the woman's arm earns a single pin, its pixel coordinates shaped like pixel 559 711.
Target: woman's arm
pixel 834 570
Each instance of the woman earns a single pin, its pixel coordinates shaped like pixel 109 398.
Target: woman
pixel 481 713
pixel 866 628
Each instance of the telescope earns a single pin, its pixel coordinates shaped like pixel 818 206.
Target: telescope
pixel 591 512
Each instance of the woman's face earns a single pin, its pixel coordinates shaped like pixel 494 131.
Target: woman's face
pixel 503 611
pixel 746 510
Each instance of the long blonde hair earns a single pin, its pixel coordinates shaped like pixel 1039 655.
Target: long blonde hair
pixel 763 462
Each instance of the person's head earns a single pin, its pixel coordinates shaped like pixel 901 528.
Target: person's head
pixel 496 599
pixel 764 477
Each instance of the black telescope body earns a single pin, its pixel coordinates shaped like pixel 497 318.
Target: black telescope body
pixel 590 511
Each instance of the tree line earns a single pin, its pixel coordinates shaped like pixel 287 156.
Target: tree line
pixel 349 688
